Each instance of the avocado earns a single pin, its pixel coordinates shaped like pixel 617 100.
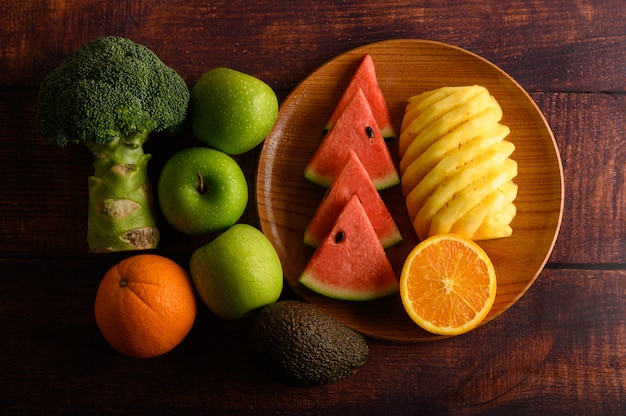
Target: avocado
pixel 301 345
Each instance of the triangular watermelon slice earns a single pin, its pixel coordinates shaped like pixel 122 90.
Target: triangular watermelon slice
pixel 350 264
pixel 365 78
pixel 355 129
pixel 352 180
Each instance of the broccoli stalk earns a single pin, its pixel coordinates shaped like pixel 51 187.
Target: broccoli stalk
pixel 110 95
pixel 121 207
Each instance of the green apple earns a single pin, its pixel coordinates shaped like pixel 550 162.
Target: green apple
pixel 202 191
pixel 238 272
pixel 232 111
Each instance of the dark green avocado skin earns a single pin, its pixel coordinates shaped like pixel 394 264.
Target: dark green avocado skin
pixel 300 345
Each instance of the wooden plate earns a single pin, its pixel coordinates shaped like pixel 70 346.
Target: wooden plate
pixel 286 201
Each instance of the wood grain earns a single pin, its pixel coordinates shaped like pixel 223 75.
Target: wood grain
pixel 581 123
pixel 558 350
pixel 527 360
pixel 558 45
pixel 287 202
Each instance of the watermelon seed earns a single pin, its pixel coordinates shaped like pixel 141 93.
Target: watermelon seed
pixel 369 131
pixel 339 237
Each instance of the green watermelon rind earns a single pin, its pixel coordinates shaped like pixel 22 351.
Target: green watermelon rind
pixel 352 218
pixel 353 179
pixel 374 94
pixel 346 134
pixel 380 184
pixel 387 242
pixel 309 281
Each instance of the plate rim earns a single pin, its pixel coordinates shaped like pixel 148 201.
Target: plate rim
pixel 259 179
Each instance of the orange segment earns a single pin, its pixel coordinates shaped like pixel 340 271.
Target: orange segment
pixel 448 284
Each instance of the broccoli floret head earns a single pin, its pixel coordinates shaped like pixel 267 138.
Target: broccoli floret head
pixel 109 88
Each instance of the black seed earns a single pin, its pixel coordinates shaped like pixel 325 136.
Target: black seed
pixel 369 131
pixel 339 237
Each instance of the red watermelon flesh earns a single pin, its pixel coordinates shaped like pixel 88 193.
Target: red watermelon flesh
pixel 365 78
pixel 350 264
pixel 355 129
pixel 352 180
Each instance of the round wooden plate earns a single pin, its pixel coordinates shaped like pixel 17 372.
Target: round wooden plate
pixel 286 201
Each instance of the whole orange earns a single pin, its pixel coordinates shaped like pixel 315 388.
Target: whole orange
pixel 145 305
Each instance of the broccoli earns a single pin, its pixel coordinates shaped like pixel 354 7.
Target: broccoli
pixel 110 95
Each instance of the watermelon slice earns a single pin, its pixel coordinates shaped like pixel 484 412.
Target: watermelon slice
pixel 365 78
pixel 352 180
pixel 350 264
pixel 355 129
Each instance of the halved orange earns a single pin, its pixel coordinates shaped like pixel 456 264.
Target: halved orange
pixel 448 284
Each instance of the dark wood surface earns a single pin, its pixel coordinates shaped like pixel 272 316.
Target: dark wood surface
pixel 561 349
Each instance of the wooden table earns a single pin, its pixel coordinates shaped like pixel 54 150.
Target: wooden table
pixel 559 350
